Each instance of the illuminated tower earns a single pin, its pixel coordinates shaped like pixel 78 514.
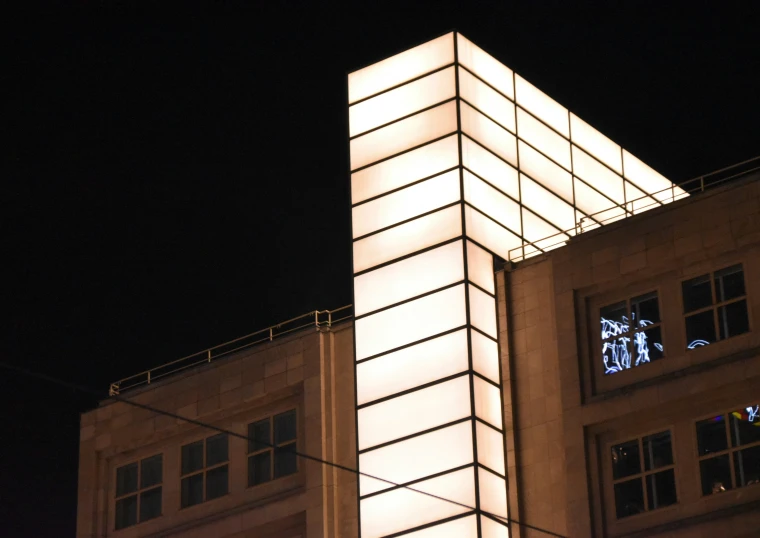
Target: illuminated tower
pixel 454 159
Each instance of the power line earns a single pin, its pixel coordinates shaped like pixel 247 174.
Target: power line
pixel 316 459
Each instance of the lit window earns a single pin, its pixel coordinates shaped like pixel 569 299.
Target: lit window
pixel 631 333
pixel 272 448
pixel 204 470
pixel 138 491
pixel 643 475
pixel 715 308
pixel 729 450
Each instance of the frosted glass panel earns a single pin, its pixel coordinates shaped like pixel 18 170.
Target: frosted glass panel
pixel 593 203
pixel 546 204
pixel 550 175
pixel 637 201
pixel 400 509
pixel 411 367
pixel 542 106
pixel 542 138
pixel 401 102
pixel 414 412
pixel 408 278
pixel 495 238
pixel 596 143
pixel 598 176
pixel 487 402
pixel 404 169
pixel 405 204
pixel 646 178
pixel 403 135
pixel 491 202
pixel 410 322
pixel 489 133
pixel 417 457
pixel 466 527
pixel 492 529
pixel 540 232
pixel 482 311
pixel 488 166
pixel 493 493
pixel 400 68
pixel 490 447
pixel 407 238
pixel 484 98
pixel 485 66
pixel 480 267
pixel 485 356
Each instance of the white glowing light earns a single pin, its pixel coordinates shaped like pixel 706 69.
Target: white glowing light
pixel 752 413
pixel 698 343
pixel 616 354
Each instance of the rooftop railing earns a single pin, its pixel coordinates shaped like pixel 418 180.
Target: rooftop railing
pixel 634 207
pixel 315 318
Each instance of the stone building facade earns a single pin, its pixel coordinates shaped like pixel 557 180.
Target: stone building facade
pixel 669 447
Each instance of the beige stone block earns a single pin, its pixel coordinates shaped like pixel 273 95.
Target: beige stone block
pixel 605 255
pixel 294 375
pixel 275 382
pixel 634 262
pixel 86 433
pixel 231 382
pixel 275 367
pixel 102 441
pixel 295 361
pixel 536 386
pixel 209 405
pixel 688 244
pixel 188 411
pixel 104 412
pixel 231 397
pixel 606 272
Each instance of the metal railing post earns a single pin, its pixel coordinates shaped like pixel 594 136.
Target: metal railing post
pixel 208 351
pixel 271 335
pixel 148 377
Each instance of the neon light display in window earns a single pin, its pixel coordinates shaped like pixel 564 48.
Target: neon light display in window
pixel 616 353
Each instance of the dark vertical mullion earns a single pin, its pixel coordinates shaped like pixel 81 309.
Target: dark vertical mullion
pixel 519 179
pixel 572 171
pixel 643 474
pixel 730 452
pixel 467 289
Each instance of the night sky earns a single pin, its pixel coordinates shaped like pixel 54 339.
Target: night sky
pixel 175 179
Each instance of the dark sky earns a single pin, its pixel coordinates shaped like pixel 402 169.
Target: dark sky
pixel 174 179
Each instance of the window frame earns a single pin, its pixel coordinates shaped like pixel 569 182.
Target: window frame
pixel 273 446
pixel 630 334
pixel 204 470
pixel 715 306
pixel 610 481
pixel 729 451
pixel 138 492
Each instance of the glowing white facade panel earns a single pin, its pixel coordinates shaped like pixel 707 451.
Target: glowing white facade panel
pixel 407 168
pixel 448 171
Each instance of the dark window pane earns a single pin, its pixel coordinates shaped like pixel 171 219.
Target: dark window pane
pixel 625 459
pixel 150 504
pixel 745 425
pixel 647 346
pixel 711 435
pixel 716 475
pixel 616 355
pixel 216 449
pixel 126 512
pixel 192 490
pixel 614 319
pixel 285 460
pixel 216 482
pixel 747 466
pixel 629 498
pixel 700 329
pixel 661 489
pixel 258 431
pixel 729 283
pixel 151 471
pixel 733 319
pixel 192 457
pixel 645 309
pixel 657 451
pixel 260 468
pixel 126 479
pixel 285 427
pixel 696 293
